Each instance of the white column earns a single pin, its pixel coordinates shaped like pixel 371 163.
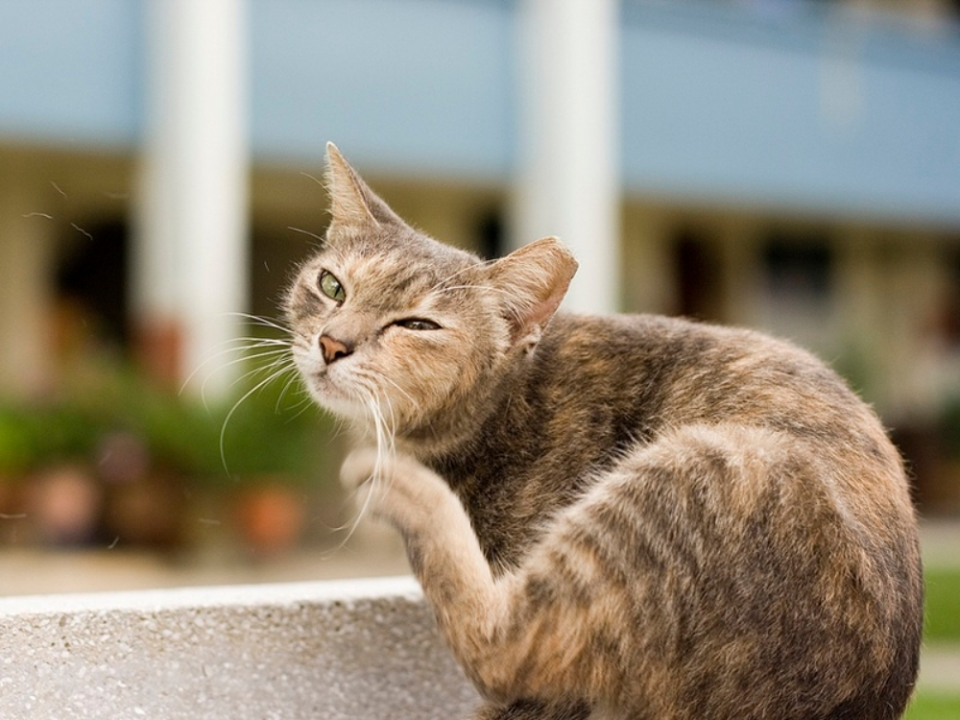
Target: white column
pixel 568 181
pixel 190 270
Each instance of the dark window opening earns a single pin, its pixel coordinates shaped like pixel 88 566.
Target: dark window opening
pixel 699 280
pixel 798 267
pixel 92 279
pixel 490 240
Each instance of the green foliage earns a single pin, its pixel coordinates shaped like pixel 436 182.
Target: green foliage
pixel 43 435
pixel 258 432
pixel 857 365
pixel 942 614
pixel 17 441
pixel 929 706
pixel 263 432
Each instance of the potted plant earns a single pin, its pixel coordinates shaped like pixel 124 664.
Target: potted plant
pixel 271 450
pixel 45 477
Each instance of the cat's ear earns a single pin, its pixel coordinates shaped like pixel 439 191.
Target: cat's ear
pixel 531 282
pixel 353 203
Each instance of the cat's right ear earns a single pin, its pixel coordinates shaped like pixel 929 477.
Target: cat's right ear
pixel 353 203
pixel 532 282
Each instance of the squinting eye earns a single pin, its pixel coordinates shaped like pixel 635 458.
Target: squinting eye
pixel 417 324
pixel 331 287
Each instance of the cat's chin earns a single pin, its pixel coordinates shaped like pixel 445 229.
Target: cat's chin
pixel 355 412
pixel 332 399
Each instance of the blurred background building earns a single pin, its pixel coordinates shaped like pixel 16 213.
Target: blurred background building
pixel 784 164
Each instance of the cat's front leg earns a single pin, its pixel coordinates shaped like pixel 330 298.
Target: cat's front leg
pixel 513 640
pixel 444 553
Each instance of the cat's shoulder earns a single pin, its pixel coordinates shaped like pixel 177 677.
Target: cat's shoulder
pixel 657 329
pixel 676 342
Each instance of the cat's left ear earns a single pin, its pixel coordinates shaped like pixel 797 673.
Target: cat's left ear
pixel 353 203
pixel 532 281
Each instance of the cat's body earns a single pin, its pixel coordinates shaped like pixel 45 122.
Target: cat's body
pixel 624 517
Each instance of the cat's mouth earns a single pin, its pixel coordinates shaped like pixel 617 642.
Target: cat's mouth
pixel 326 390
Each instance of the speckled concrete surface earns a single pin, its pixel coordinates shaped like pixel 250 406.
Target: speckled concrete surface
pixel 331 650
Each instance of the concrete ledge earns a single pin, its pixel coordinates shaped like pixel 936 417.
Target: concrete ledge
pixel 326 650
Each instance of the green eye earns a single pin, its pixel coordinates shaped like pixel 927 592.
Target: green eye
pixel 331 287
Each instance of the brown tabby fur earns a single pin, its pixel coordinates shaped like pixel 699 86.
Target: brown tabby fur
pixel 626 517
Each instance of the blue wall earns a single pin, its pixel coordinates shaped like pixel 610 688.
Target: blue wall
pixel 801 107
pixel 71 71
pixel 413 85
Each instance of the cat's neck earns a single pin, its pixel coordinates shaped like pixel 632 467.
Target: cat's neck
pixel 463 426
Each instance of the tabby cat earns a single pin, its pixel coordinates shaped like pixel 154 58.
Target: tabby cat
pixel 629 517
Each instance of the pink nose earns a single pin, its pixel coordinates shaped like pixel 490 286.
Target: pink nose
pixel 333 349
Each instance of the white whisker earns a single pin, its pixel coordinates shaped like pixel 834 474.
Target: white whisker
pixel 395 384
pixel 281 359
pixel 260 320
pixel 319 238
pixel 226 420
pixel 234 346
pixel 468 268
pixel 301 407
pixel 484 288
pixel 294 377
pixel 315 179
pixel 372 485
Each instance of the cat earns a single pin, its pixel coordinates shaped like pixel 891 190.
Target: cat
pixel 631 517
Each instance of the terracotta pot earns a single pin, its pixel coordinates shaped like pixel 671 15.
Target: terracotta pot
pixel 13 515
pixel 148 512
pixel 64 504
pixel 269 518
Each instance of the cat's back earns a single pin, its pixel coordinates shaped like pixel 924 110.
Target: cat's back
pixel 682 357
pixel 643 373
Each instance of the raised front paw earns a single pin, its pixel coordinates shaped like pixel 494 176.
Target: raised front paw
pixel 402 490
pixel 359 467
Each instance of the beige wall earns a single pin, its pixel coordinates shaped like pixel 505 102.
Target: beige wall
pixel 878 326
pixel 48 200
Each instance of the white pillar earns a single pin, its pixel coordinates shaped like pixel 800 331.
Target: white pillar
pixel 568 182
pixel 191 246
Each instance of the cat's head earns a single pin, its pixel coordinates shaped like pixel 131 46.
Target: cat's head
pixel 397 331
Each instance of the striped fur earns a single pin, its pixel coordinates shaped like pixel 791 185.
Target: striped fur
pixel 625 517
